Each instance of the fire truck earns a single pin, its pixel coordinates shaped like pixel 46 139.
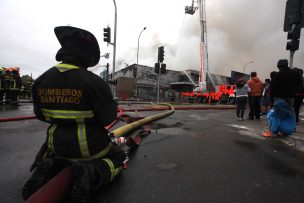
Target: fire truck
pixel 223 95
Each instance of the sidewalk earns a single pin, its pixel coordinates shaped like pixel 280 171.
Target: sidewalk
pixel 294 141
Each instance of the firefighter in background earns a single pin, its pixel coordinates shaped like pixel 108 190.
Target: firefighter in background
pixel 7 79
pixel 78 104
pixel 15 86
pixel 2 83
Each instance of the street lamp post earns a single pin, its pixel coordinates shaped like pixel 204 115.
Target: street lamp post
pixel 135 75
pixel 138 44
pixel 246 65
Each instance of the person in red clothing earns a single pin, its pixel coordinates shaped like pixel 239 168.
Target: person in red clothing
pixel 256 86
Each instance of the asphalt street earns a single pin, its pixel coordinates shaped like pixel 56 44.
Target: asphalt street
pixel 190 156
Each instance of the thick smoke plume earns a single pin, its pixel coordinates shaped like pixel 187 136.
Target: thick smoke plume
pixel 237 32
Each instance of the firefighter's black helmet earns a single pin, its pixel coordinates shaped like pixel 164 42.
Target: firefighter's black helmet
pixel 79 43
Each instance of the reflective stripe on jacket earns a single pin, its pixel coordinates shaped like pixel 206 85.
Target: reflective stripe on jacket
pixel 78 104
pixel 15 82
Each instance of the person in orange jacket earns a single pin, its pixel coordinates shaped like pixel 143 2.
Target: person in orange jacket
pixel 256 86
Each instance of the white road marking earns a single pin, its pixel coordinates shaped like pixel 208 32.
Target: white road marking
pixel 251 132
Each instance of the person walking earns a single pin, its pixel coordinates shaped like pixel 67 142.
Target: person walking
pixel 256 87
pixel 78 105
pixel 241 96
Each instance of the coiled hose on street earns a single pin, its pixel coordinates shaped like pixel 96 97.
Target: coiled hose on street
pixel 54 190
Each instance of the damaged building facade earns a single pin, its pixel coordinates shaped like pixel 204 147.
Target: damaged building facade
pixel 140 82
pixel 144 83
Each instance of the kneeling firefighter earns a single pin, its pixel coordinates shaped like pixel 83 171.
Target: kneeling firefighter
pixel 78 104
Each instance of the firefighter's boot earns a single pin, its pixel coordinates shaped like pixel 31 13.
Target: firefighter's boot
pixel 44 172
pixel 84 174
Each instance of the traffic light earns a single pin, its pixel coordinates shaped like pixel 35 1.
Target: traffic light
pixel 293 36
pixel 107 34
pixel 293 14
pixel 163 68
pixel 161 54
pixel 156 66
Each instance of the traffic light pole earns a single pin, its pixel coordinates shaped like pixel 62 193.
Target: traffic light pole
pixel 291 59
pixel 291 53
pixel 160 59
pixel 114 46
pixel 158 79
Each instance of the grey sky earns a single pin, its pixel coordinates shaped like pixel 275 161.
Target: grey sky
pixel 238 31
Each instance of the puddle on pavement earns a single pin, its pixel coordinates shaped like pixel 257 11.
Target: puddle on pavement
pixel 246 145
pixel 7 107
pixel 157 126
pixel 282 170
pixel 172 131
pixel 203 117
pixel 169 129
pixel 167 165
pixel 277 147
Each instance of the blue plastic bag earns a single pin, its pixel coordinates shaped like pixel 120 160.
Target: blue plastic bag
pixel 281 118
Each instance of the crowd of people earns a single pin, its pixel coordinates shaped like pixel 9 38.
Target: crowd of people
pixel 10 86
pixel 284 87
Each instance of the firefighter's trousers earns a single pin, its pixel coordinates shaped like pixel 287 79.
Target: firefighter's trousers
pixel 14 95
pixel 1 96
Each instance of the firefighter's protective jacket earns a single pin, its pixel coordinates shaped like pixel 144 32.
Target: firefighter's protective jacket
pixel 15 82
pixel 2 82
pixel 78 104
pixel 7 80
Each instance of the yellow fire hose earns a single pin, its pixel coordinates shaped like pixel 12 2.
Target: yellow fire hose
pixel 56 188
pixel 129 127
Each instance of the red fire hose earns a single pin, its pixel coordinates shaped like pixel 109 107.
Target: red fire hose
pixel 18 118
pixel 215 107
pixel 57 187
